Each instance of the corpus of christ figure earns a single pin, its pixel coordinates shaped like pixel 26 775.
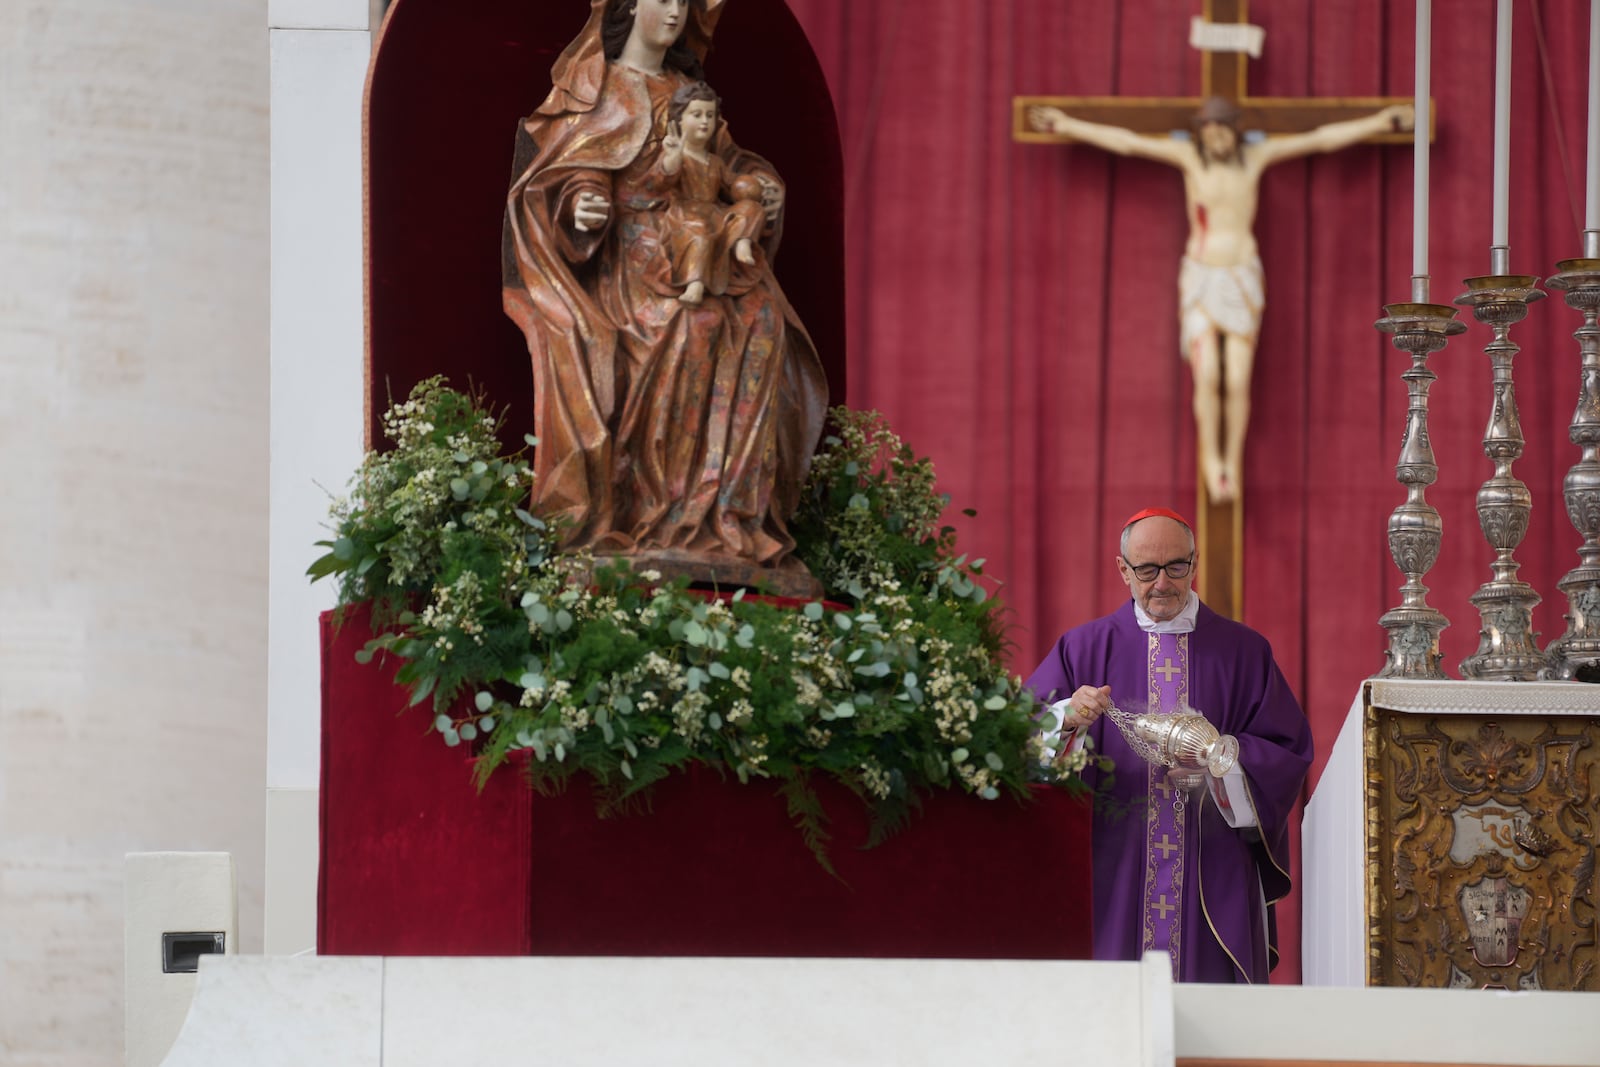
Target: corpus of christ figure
pixel 1220 285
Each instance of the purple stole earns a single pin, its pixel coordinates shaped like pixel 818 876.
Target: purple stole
pixel 1167 675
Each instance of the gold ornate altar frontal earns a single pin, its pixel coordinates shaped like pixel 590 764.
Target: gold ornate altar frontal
pixel 1482 802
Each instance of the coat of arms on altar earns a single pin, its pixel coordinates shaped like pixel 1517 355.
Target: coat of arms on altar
pixel 1494 909
pixel 1491 827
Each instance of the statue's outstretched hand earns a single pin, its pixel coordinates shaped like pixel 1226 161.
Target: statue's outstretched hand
pixel 1046 119
pixel 1401 116
pixel 590 211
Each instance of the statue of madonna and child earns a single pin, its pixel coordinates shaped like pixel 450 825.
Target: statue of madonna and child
pixel 677 397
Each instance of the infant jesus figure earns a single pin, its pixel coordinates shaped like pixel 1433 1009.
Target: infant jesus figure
pixel 701 225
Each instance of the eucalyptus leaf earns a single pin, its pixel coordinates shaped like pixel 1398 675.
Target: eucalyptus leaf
pixel 720 670
pixel 420 693
pixel 459 488
pixel 486 724
pixel 451 738
pixel 813 611
pixel 842 621
pixel 994 703
pixel 442 723
pixel 960 755
pixel 483 700
pixel 844 710
pixel 468 731
pixel 995 762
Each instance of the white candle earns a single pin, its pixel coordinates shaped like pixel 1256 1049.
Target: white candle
pixel 1591 202
pixel 1419 185
pixel 1502 122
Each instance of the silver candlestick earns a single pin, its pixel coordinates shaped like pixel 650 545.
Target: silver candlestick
pixel 1579 646
pixel 1506 648
pixel 1420 329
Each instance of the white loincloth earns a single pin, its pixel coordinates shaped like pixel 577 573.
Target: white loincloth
pixel 1225 299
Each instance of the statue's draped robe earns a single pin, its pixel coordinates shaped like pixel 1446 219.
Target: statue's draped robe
pixel 660 426
pixel 1232 679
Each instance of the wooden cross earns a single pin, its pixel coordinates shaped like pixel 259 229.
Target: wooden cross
pixel 1219 526
pixel 1167 670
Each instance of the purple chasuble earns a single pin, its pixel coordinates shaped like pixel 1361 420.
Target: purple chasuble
pixel 1142 848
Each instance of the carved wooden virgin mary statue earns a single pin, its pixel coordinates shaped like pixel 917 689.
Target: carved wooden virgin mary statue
pixel 674 435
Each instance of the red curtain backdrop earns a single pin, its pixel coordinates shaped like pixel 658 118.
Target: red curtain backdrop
pixel 1011 307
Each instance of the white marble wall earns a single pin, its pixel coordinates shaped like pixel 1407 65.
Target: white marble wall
pixel 133 483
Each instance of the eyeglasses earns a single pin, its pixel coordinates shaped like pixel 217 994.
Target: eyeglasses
pixel 1146 572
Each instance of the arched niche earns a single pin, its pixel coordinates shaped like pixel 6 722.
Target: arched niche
pixel 448 85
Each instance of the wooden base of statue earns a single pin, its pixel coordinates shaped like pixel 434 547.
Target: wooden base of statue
pixel 1219 543
pixel 723 572
pixel 1482 814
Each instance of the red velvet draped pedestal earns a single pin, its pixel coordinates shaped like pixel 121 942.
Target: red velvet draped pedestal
pixel 416 861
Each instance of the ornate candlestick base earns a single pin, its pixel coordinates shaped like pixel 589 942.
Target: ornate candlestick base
pixel 1579 646
pixel 1414 528
pixel 1506 648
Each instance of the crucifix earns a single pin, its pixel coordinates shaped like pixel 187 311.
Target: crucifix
pixel 1220 284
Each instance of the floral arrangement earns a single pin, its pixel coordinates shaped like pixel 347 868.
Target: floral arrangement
pixel 893 685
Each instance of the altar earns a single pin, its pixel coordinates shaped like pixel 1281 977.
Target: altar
pixel 1451 839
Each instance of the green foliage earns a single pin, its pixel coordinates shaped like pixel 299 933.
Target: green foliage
pixel 893 687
